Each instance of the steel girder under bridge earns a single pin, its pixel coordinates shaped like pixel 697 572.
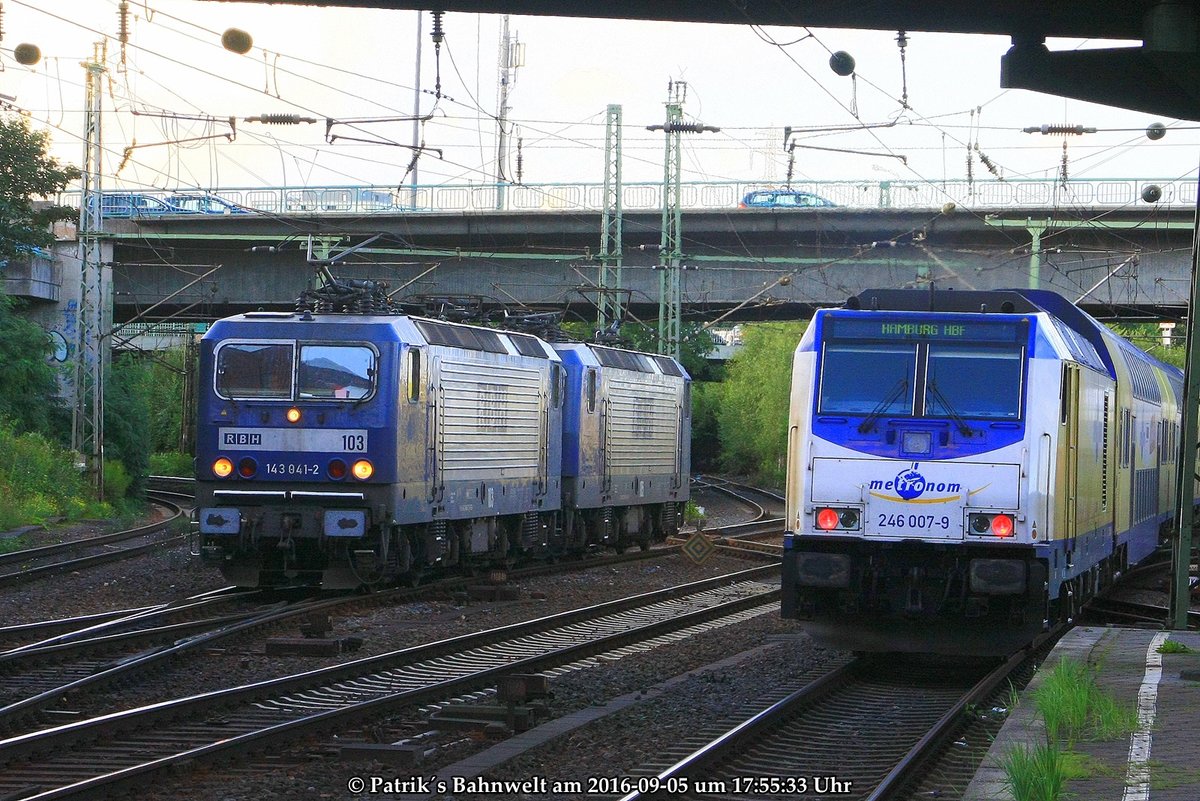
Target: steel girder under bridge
pixel 749 264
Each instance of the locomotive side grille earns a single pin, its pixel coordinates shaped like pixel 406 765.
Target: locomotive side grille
pixel 490 420
pixel 1146 494
pixel 1104 459
pixel 643 426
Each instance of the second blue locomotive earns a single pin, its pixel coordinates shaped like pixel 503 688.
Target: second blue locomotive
pixel 343 450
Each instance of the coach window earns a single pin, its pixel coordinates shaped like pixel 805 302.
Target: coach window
pixel 255 370
pixel 336 372
pixel 414 375
pixel 591 390
pixel 846 388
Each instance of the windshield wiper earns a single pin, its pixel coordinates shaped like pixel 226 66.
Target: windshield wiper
pixel 869 422
pixel 963 428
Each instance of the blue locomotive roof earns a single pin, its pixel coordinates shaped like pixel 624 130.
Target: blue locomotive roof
pixel 296 325
pixel 379 328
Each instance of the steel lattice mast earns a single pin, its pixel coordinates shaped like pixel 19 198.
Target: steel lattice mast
pixel 87 434
pixel 670 247
pixel 609 279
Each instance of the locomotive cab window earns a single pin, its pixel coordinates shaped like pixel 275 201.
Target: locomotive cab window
pixel 591 390
pixel 336 372
pixel 255 370
pixel 973 381
pixel 890 390
pixel 557 380
pixel 414 375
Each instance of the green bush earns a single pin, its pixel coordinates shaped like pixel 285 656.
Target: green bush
pixel 116 481
pixel 28 386
pixel 171 464
pixel 127 420
pixel 40 480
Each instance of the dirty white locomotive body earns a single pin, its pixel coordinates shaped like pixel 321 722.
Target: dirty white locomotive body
pixel 966 467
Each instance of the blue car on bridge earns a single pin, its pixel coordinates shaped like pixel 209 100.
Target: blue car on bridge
pixel 204 204
pixel 136 204
pixel 784 199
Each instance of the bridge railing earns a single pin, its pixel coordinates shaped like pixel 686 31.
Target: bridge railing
pixel 887 194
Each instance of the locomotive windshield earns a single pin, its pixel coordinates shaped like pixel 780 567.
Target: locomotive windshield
pixel 889 388
pixel 264 370
pixel 973 382
pixel 336 371
pixel 255 370
pixel 885 366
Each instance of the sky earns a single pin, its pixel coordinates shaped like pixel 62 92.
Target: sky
pixel 173 81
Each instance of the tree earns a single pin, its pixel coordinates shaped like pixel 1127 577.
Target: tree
pixel 28 386
pixel 1148 337
pixel 27 173
pixel 27 382
pixel 754 400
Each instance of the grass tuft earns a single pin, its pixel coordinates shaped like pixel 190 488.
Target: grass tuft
pixel 1075 708
pixel 1034 773
pixel 1173 647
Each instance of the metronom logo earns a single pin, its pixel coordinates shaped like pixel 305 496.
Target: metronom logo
pixel 909 485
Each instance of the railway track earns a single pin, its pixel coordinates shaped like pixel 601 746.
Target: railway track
pixel 119 749
pixel 31 564
pixel 1123 612
pixel 79 656
pixel 868 730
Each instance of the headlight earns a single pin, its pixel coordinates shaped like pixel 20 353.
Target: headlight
pixel 362 470
pixel 222 468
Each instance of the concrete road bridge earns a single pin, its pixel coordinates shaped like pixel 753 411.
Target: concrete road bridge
pixel 1096 242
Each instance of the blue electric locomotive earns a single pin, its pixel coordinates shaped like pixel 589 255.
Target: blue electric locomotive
pixel 343 449
pixel 965 468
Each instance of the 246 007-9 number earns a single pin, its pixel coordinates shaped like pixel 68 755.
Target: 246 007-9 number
pixel 913 521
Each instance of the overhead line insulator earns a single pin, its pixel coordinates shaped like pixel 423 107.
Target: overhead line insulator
pixel 281 119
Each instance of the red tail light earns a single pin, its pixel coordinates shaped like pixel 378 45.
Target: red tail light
pixel 337 469
pixel 827 519
pixel 1002 526
pixel 247 467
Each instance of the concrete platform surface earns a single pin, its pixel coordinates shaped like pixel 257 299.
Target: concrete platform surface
pixel 1160 761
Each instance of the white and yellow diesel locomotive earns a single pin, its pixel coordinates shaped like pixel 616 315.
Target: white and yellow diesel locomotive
pixel 966 467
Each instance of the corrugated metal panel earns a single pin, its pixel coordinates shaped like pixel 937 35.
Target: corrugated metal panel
pixel 643 425
pixel 489 419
